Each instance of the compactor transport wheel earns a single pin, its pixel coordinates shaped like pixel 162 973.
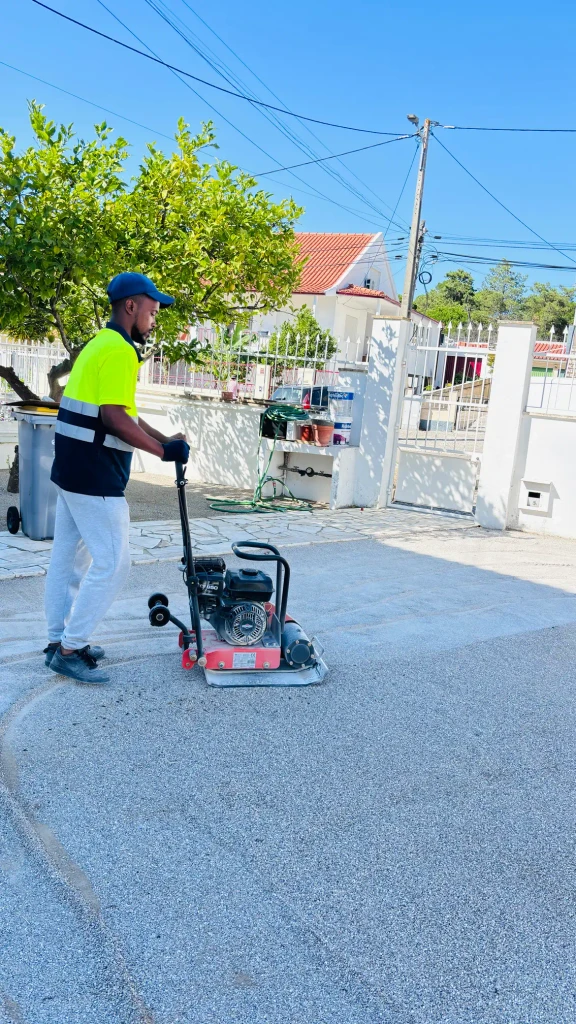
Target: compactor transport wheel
pixel 159 615
pixel 155 599
pixel 13 519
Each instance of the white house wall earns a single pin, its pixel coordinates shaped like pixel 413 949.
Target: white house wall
pixel 331 312
pixel 323 307
pixel 547 467
pixel 373 257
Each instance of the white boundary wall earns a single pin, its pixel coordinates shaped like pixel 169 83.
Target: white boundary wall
pixel 382 398
pixel 223 438
pixel 547 467
pixel 498 486
pixel 528 473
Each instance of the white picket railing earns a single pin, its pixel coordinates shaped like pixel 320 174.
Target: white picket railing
pixel 552 389
pixel 31 361
pixel 253 371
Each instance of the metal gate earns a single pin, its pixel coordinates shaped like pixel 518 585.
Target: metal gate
pixel 442 416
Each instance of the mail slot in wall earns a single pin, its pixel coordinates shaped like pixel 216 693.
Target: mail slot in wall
pixel 536 497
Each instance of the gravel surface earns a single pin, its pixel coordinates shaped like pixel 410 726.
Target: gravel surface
pixel 393 847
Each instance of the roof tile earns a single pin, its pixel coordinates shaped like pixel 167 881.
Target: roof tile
pixel 550 348
pixel 329 256
pixel 369 293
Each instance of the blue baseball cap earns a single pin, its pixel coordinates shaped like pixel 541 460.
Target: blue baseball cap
pixel 123 286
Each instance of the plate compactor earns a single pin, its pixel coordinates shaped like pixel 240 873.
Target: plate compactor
pixel 237 635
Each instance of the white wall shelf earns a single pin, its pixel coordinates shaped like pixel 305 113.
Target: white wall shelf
pixel 339 460
pixel 333 450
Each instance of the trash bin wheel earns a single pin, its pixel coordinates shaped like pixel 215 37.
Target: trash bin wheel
pixel 157 599
pixel 13 519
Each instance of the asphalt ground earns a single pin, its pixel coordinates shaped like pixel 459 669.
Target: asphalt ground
pixel 396 845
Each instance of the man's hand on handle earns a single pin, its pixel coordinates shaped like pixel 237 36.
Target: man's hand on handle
pixel 141 435
pixel 176 450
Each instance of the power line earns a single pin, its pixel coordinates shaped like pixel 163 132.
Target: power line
pixel 474 128
pixel 513 243
pixel 84 100
pixel 349 209
pixel 284 105
pixel 527 247
pixel 203 81
pixel 487 260
pixel 504 207
pixel 316 192
pixel 115 113
pixel 231 78
pixel 321 159
pixel 98 106
pixel 401 192
pixel 107 110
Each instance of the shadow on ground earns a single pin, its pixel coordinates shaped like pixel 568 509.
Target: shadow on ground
pixel 150 497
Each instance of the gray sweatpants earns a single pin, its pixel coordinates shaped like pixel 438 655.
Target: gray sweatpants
pixel 90 562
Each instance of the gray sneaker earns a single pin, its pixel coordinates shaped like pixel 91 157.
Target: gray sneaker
pixel 81 666
pixel 96 652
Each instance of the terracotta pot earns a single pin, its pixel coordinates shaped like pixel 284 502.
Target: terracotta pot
pixel 306 432
pixel 323 433
pixel 227 396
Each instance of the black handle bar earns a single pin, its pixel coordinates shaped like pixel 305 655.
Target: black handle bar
pixel 191 579
pixel 282 580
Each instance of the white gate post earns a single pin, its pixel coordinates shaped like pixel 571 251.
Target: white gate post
pixel 382 406
pixel 499 480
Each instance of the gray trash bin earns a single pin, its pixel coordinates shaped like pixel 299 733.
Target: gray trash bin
pixel 36 431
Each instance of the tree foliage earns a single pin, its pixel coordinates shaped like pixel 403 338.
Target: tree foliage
pixel 502 294
pixel 302 337
pixel 203 232
pixel 70 221
pixel 551 307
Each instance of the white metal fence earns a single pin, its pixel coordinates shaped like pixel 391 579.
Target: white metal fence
pixel 447 390
pixel 552 389
pixel 254 369
pixel 31 361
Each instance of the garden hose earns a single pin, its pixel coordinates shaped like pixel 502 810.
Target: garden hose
pixel 285 502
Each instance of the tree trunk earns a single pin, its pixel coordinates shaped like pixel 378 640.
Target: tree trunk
pixel 14 475
pixel 54 375
pixel 22 390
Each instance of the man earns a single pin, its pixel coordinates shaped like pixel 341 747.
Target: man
pixel 97 429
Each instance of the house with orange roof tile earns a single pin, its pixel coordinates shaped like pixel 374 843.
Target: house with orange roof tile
pixel 347 281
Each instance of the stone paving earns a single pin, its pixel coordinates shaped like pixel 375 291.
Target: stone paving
pixel 160 541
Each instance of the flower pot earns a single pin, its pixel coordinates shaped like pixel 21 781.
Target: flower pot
pixel 306 433
pixel 323 433
pixel 227 396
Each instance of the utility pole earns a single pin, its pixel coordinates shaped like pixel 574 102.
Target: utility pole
pixel 416 234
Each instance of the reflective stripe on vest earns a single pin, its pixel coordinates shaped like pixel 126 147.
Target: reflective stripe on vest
pixel 71 430
pixel 111 441
pixel 83 408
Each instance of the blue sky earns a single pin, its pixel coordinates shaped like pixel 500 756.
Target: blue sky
pixel 366 65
